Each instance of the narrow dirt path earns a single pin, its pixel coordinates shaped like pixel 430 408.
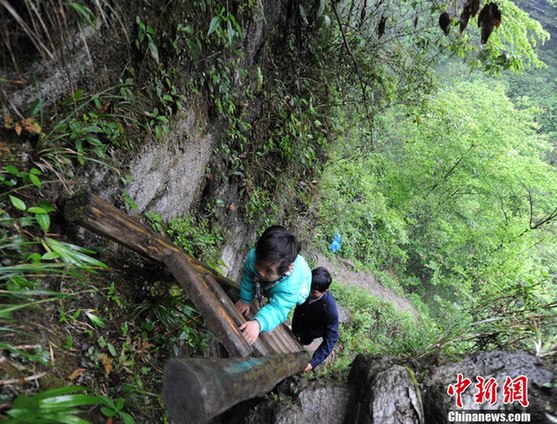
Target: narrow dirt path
pixel 341 273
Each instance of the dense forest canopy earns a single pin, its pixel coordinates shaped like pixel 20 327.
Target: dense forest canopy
pixel 452 188
pixel 421 132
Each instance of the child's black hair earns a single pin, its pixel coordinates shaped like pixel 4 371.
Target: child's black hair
pixel 278 246
pixel 320 279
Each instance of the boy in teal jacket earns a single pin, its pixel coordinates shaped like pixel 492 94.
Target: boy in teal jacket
pixel 273 269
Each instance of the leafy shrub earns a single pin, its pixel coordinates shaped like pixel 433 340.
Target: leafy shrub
pixel 198 238
pixel 376 327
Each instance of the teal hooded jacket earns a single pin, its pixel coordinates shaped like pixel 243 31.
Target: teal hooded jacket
pixel 291 291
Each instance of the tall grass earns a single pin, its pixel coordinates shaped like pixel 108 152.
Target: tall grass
pixel 376 326
pixel 29 260
pixel 46 25
pixel 62 406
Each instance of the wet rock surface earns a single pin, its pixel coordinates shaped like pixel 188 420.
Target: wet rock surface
pixel 167 178
pixel 384 390
pixel 542 397
pixel 316 402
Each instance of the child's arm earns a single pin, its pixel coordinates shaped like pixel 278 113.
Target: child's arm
pixel 251 330
pixel 285 296
pixel 275 312
pixel 247 289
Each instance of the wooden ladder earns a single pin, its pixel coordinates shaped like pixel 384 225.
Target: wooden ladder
pixel 196 390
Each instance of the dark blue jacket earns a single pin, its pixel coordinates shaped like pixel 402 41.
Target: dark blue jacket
pixel 317 319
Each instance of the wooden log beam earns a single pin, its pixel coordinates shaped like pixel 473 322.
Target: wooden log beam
pixel 216 315
pixel 99 216
pixel 204 285
pixel 196 390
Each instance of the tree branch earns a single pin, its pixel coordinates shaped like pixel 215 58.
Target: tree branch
pixel 358 72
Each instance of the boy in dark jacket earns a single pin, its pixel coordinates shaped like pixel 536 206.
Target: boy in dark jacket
pixel 317 317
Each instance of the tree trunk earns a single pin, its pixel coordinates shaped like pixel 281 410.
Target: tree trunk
pixel 196 390
pixel 383 392
pixel 103 218
pixel 220 314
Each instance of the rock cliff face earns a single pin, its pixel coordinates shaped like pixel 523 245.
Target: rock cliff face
pixel 385 391
pixel 497 365
pixel 169 175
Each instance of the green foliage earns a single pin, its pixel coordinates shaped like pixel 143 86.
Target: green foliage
pixel 518 315
pixel 29 259
pixel 212 34
pixel 167 99
pixel 513 45
pixel 39 356
pixel 433 191
pixel 145 35
pixel 198 238
pixel 536 89
pixel 438 170
pixel 377 327
pixel 156 221
pixel 170 319
pixel 60 405
pixel 260 207
pixel 11 177
pixel 71 254
pixel 458 199
pixel 89 126
pixel 63 405
pixel 129 203
pixel 11 174
pixel 47 26
pixel 475 180
pixel 96 320
pixel 292 130
pixel 372 232
pixel 115 409
pixel 225 28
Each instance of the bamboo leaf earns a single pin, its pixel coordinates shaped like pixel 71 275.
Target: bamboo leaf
pixel 18 203
pixel 213 26
pixel 83 11
pixel 36 209
pixel 63 402
pixel 97 321
pixel 58 391
pixel 49 256
pixel 44 221
pixel 69 419
pixel 59 405
pixel 73 254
